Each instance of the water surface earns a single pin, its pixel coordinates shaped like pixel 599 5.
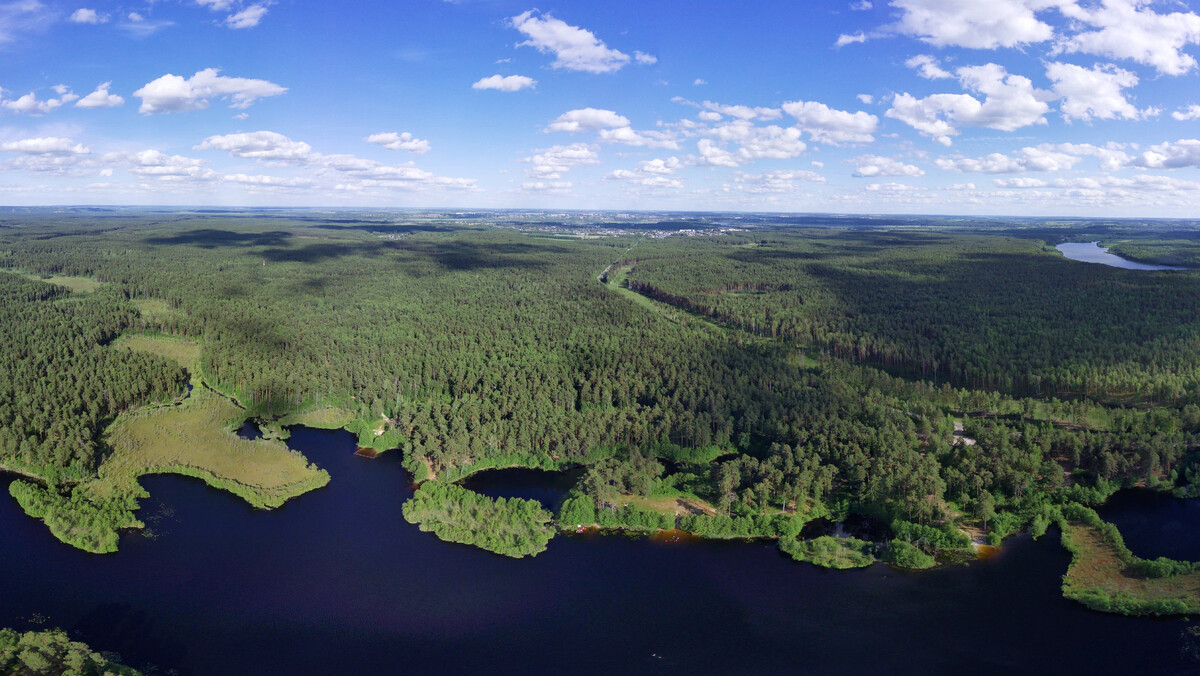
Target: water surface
pixel 1092 252
pixel 336 582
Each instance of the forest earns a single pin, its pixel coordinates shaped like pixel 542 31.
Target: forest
pixel 939 381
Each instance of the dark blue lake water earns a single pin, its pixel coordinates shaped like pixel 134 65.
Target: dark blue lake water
pixel 336 582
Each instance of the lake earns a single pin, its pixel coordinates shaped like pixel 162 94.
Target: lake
pixel 1092 252
pixel 337 582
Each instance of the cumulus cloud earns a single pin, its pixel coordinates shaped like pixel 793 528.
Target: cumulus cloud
pixel 783 181
pixel 1093 93
pixel 588 118
pixel 866 99
pixel 644 179
pixel 1010 102
pixel 974 24
pixel 1192 112
pixel 861 5
pixel 872 166
pixel 574 48
pixel 770 142
pixel 247 18
pixel 265 181
pixel 551 163
pixel 609 127
pixel 48 145
pixel 740 112
pixel 828 125
pixel 173 93
pixel 714 155
pixel 1170 155
pixel 927 67
pixel 101 98
pixel 510 83
pixel 850 39
pixel 259 145
pixel 32 105
pixel 554 187
pixel 699 82
pixel 403 141
pixel 644 58
pixel 1045 157
pixel 83 15
pixel 154 163
pixel 1130 29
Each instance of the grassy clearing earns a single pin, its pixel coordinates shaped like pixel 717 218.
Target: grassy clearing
pixel 195 439
pixel 1104 575
pixel 155 309
pixel 75 284
pixel 184 352
pixel 667 504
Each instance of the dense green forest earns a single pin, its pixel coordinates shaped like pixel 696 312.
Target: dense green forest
pixel 36 653
pixel 733 383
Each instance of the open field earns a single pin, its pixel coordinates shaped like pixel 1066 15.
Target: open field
pixel 195 439
pixel 185 353
pixel 1101 577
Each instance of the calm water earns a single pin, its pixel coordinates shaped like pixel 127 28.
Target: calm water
pixel 1092 252
pixel 337 582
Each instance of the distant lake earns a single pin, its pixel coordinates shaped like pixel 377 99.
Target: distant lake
pixel 1092 252
pixel 336 582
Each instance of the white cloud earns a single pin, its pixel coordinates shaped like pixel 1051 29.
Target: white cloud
pixel 50 145
pixel 1192 112
pixel 699 82
pixel 1130 29
pixel 644 58
pixel 557 187
pixel 866 99
pixel 872 166
pixel 216 5
pixel 1010 102
pixel 1170 155
pixel 510 83
pixel 891 187
pixel 609 127
pixel 1045 157
pixel 573 48
pixel 927 67
pixel 1020 182
pixel 172 93
pixel 100 98
pixel 710 116
pixel 714 155
pixel 660 166
pixel 551 163
pixel 164 167
pixel 83 15
pixel 974 24
pixel 643 179
pixel 1094 93
pixel 247 18
pixel 861 5
pixel 850 39
pixel 588 118
pixel 403 141
pixel 32 105
pixel 783 181
pixel 259 145
pixel 743 112
pixel 828 125
pixel 264 181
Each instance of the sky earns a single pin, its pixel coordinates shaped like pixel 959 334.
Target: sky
pixel 996 107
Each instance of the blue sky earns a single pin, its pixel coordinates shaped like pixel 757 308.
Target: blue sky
pixel 1024 107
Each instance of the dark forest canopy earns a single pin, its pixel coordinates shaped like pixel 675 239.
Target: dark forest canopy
pixel 784 370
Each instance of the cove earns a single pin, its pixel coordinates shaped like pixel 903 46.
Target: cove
pixel 336 582
pixel 1092 252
